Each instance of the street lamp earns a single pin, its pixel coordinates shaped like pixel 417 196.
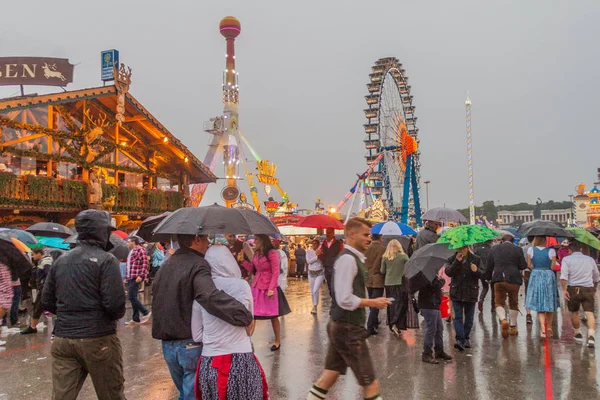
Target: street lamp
pixel 427 193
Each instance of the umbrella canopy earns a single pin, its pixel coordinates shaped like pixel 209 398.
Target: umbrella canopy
pixel 49 229
pixel 115 239
pixel 585 237
pixel 13 258
pixel 211 220
pixel 514 232
pixel 467 235
pixel 121 251
pixel 544 228
pixel 444 214
pixel 319 221
pixel 53 242
pixel 20 245
pixel 149 224
pixel 121 234
pixel 392 228
pixel 425 264
pixel 23 236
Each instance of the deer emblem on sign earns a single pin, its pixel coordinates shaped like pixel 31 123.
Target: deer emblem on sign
pixel 51 72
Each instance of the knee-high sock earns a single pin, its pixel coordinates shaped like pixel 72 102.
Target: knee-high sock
pixel 316 393
pixel 501 313
pixel 513 317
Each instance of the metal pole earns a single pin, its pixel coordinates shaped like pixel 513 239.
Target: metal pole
pixel 470 161
pixel 427 193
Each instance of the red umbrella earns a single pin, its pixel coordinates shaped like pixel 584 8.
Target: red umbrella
pixel 121 234
pixel 319 221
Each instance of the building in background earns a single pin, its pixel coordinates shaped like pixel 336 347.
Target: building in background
pixel 515 218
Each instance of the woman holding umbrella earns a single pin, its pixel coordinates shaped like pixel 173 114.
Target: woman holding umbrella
pixel 542 294
pixel 269 300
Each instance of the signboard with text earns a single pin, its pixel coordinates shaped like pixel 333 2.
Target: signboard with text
pixel 42 71
pixel 110 60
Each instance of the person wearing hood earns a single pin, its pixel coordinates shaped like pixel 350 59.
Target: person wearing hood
pixel 42 264
pixel 428 234
pixel 225 347
pixel 85 291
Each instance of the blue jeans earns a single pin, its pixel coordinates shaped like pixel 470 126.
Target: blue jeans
pixel 136 304
pixel 464 312
pixel 182 362
pixel 434 331
pixel 14 309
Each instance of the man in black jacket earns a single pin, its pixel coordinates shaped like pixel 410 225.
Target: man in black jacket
pixel 504 269
pixel 483 251
pixel 328 253
pixel 183 278
pixel 85 291
pixel 465 270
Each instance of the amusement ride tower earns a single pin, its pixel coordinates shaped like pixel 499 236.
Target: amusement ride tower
pixel 225 128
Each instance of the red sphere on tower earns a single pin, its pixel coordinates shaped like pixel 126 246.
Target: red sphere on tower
pixel 230 27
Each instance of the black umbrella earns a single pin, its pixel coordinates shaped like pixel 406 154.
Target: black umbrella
pixel 23 236
pixel 444 214
pixel 424 265
pixel 50 229
pixel 121 251
pixel 115 239
pixel 544 228
pixel 13 258
pixel 403 239
pixel 211 220
pixel 149 224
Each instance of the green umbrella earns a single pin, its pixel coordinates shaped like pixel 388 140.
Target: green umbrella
pixel 585 237
pixel 467 235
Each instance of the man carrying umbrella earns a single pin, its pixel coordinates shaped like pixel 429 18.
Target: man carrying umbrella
pixel 428 234
pixel 346 331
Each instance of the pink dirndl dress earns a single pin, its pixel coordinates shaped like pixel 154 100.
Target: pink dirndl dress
pixel 266 270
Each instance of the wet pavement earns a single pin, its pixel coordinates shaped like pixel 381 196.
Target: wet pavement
pixel 520 367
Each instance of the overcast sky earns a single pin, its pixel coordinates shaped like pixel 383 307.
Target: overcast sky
pixel 530 68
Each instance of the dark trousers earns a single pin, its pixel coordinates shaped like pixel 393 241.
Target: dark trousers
pixel 74 359
pixel 136 304
pixel 373 320
pixel 14 309
pixel 329 279
pixel 299 269
pixel 485 288
pixel 434 331
pixel 464 312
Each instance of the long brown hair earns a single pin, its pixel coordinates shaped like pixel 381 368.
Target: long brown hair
pixel 267 245
pixel 539 241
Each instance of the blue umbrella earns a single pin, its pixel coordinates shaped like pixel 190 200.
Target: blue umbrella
pixel 392 228
pixel 514 232
pixel 23 236
pixel 54 242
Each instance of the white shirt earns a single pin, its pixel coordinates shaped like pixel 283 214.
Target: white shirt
pixel 551 252
pixel 314 264
pixel 219 337
pixel 345 271
pixel 579 270
pixel 283 269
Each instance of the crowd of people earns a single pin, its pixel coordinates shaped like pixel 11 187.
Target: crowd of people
pixel 207 299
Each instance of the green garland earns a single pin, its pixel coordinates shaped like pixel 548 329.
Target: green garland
pixel 175 200
pixel 75 193
pixel 108 191
pixel 156 201
pixel 43 191
pixel 8 187
pixel 131 199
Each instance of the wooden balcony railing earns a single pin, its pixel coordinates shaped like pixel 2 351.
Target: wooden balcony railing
pixel 50 194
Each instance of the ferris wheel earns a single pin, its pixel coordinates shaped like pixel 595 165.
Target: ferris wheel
pixel 392 141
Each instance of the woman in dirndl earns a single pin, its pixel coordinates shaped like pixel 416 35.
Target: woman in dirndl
pixel 228 369
pixel 269 301
pixel 542 295
pixel 392 266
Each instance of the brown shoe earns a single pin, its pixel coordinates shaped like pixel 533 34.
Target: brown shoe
pixel 428 358
pixel 504 329
pixel 514 331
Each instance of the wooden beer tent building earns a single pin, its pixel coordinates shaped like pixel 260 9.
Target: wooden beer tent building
pixel 65 152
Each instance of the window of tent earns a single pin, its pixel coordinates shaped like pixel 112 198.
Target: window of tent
pixel 163 184
pixel 133 180
pixel 67 170
pixel 28 166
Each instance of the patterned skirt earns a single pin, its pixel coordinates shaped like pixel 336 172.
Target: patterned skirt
pixel 542 294
pixel 231 377
pixel 6 290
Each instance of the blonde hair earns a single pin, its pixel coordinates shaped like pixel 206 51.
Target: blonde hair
pixel 539 241
pixel 393 249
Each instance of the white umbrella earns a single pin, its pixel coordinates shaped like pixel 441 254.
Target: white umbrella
pixel 390 229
